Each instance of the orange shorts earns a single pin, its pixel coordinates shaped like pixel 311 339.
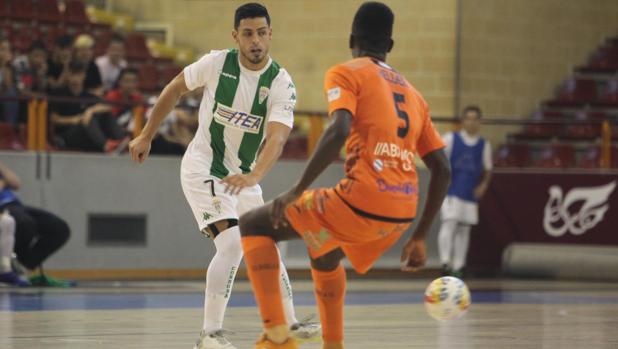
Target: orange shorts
pixel 325 222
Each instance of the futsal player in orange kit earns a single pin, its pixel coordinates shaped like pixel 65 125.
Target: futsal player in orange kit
pixel 384 123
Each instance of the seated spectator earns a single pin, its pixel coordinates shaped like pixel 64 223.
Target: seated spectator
pixel 7 244
pixel 31 70
pixel 84 53
pixel 113 62
pixel 83 122
pixel 124 96
pixel 58 63
pixel 38 233
pixel 178 128
pixel 9 109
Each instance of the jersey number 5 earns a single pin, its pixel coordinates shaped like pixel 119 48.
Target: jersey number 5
pixel 402 132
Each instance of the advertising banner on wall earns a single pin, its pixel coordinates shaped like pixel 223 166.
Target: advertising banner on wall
pixel 549 207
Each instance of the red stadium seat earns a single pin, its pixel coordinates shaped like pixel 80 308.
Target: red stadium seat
pixel 5 10
pixel 513 155
pixel 22 10
pixel 605 57
pixel 540 130
pixel 575 92
pixel 101 43
pixel 7 135
pixel 6 30
pixel 75 12
pixel 137 48
pixel 52 33
pixel 168 73
pixel 148 77
pixel 47 11
pixel 22 39
pixel 590 128
pixel 556 156
pixel 10 138
pixel 609 96
pixel 592 157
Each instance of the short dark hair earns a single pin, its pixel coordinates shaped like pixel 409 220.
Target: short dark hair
pixel 64 41
pixel 372 27
pixel 37 45
pixel 123 72
pixel 76 67
pixel 472 108
pixel 250 10
pixel 117 38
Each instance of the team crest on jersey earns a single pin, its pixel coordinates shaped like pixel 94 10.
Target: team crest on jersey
pixel 237 119
pixel 263 94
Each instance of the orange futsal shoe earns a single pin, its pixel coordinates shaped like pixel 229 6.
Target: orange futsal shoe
pixel 265 343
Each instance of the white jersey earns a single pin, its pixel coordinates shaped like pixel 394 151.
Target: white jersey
pixel 236 106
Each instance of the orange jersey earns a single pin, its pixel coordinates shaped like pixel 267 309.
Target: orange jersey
pixel 390 126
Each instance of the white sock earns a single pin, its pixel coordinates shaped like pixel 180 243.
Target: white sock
pixel 286 294
pixel 445 240
pixel 7 241
pixel 220 277
pixel 460 250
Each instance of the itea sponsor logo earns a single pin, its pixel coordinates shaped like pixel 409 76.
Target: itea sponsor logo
pixel 238 119
pixel 392 150
pixel 403 188
pixel 561 217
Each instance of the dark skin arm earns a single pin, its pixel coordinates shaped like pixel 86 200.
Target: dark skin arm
pixel 413 255
pixel 327 150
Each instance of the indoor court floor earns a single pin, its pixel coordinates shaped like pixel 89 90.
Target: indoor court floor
pixel 380 314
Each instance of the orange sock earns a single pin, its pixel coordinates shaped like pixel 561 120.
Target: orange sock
pixel 262 262
pixel 330 295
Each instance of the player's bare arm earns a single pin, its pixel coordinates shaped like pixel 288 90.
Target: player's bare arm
pixel 140 146
pixel 276 136
pixel 327 150
pixel 413 255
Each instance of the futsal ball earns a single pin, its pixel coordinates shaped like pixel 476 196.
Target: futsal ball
pixel 447 298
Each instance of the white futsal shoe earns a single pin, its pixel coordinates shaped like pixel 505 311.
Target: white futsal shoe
pixel 306 331
pixel 213 340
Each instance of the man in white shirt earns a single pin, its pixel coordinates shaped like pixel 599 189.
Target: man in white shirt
pixel 471 165
pixel 112 62
pixel 247 106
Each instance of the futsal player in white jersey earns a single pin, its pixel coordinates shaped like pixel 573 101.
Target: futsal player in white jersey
pixel 245 117
pixel 471 165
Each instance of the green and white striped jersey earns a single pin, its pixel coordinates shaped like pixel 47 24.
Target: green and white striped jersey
pixel 236 106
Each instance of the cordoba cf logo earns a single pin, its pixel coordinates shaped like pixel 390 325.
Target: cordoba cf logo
pixel 592 202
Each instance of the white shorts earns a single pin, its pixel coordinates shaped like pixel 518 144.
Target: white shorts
pixel 205 194
pixel 454 208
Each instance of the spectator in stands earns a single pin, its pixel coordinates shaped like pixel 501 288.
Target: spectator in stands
pixel 84 53
pixel 178 128
pixel 124 96
pixel 8 87
pixel 113 62
pixel 83 122
pixel 31 70
pixel 38 233
pixel 57 65
pixel 471 164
